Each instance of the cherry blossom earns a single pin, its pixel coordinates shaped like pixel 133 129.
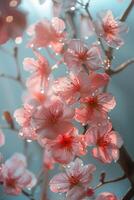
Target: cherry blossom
pixel 40 71
pixel 48 33
pixel 79 84
pixel 94 108
pixel 106 196
pixel 49 119
pixel 15 176
pixel 2 138
pixel 66 146
pixel 106 141
pixel 12 21
pixel 75 181
pixel 74 86
pixel 23 117
pixel 79 55
pixel 110 29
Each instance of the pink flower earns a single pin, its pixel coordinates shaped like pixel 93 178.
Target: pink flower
pixel 23 117
pixel 15 176
pixel 98 81
pixel 2 138
pixel 95 108
pixel 48 33
pixel 110 29
pixel 75 181
pixel 40 71
pixel 106 196
pixel 12 21
pixel 73 87
pixel 66 146
pixel 49 119
pixel 79 84
pixel 79 55
pixel 106 141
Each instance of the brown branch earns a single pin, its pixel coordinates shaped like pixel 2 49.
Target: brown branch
pixel 28 195
pixel 13 78
pixel 120 68
pixel 127 12
pixel 110 181
pixel 129 195
pixel 127 164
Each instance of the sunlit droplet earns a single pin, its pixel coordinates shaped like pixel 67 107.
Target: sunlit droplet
pixel 9 19
pixel 18 40
pixel 72 8
pixel 29 141
pixel 13 3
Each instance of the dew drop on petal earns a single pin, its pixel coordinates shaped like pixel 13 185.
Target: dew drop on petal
pixel 18 40
pixel 21 134
pixel 13 3
pixel 72 8
pixel 29 140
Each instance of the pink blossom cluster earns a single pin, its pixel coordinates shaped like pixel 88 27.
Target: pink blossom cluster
pixel 53 106
pixel 14 175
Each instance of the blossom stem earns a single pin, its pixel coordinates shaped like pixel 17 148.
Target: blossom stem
pixel 110 181
pixel 13 78
pixel 120 68
pixel 29 196
pixel 127 11
pixel 10 128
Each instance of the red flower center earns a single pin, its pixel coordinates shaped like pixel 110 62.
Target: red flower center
pixel 103 141
pixel 74 180
pixel 11 182
pixel 82 56
pixel 66 141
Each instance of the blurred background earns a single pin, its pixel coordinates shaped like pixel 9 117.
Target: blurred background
pixel 121 85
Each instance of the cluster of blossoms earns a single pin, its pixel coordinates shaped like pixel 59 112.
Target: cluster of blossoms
pixel 52 108
pixel 53 105
pixel 14 175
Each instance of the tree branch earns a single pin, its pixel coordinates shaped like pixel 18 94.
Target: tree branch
pixel 127 11
pixel 120 68
pixel 29 196
pixel 129 195
pixel 110 181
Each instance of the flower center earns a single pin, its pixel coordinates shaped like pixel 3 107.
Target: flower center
pixel 11 182
pixel 74 180
pixel 103 141
pixel 82 56
pixel 66 141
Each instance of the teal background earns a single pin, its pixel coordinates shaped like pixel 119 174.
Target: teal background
pixel 121 85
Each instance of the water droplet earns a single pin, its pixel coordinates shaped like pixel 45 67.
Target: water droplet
pixel 21 134
pixel 9 19
pixel 13 3
pixel 18 40
pixel 72 8
pixel 29 140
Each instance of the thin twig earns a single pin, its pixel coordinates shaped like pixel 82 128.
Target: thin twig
pixel 110 181
pixel 127 11
pixel 120 68
pixel 29 196
pixel 10 128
